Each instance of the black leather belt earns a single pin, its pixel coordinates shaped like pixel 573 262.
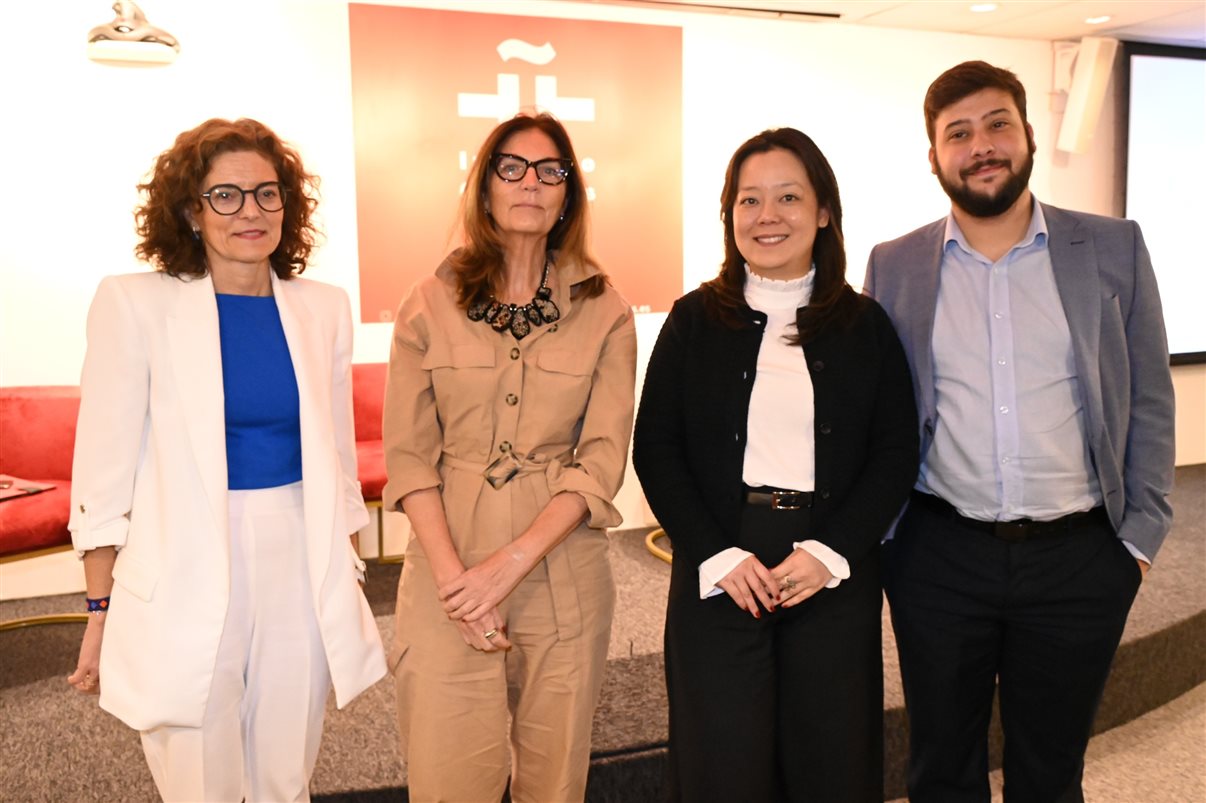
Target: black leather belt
pixel 1017 530
pixel 778 498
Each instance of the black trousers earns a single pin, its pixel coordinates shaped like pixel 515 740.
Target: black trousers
pixel 788 707
pixel 1041 618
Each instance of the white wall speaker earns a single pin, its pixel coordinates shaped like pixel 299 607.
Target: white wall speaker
pixel 1090 79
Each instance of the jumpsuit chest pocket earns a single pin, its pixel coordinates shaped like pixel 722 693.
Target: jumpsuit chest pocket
pixel 463 380
pixel 565 379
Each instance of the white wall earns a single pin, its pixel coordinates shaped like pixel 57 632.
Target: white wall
pixel 79 135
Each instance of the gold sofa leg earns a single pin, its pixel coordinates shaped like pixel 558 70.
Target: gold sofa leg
pixel 381 556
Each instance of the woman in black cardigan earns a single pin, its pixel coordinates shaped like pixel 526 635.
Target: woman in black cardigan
pixel 776 440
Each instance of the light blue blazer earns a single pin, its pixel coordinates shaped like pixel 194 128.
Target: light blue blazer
pixel 1109 295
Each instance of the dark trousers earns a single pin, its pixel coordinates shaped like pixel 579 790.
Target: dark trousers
pixel 1041 618
pixel 788 707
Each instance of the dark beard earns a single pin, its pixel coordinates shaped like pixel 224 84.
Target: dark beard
pixel 979 204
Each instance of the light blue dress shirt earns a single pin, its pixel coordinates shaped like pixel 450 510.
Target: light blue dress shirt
pixel 1010 439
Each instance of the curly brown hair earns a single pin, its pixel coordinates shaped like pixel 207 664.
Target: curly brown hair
pixel 174 186
pixel 479 263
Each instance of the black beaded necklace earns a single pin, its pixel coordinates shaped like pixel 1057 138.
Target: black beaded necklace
pixel 517 319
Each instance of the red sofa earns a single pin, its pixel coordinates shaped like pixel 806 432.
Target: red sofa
pixel 37 436
pixel 368 401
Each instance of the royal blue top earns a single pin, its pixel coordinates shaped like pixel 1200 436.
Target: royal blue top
pixel 263 423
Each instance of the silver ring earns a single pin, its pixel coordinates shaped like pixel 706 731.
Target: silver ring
pixel 489 634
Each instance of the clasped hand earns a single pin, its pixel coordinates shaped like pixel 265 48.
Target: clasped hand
pixel 797 578
pixel 472 599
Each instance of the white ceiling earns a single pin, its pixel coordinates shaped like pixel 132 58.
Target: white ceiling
pixel 1179 22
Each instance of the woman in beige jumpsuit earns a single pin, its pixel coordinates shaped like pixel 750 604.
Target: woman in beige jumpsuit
pixel 507 417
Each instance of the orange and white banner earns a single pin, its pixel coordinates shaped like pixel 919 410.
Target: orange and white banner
pixel 429 85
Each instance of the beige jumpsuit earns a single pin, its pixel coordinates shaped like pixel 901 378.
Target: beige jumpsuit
pixel 458 396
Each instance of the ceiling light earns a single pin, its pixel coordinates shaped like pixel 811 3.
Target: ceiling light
pixel 1098 20
pixel 983 8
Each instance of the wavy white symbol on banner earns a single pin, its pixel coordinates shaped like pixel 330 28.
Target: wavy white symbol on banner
pixel 524 51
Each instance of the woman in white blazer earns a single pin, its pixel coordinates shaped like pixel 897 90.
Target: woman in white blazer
pixel 214 485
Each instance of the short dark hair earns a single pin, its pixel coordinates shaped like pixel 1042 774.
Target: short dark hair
pixel 966 79
pixel 828 304
pixel 479 262
pixel 166 238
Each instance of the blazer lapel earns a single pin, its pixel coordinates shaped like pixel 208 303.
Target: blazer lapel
pixel 305 332
pixel 1074 263
pixel 196 357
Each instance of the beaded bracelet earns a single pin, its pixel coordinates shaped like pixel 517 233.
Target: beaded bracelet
pixel 97 605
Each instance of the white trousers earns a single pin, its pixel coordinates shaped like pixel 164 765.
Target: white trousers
pixel 259 738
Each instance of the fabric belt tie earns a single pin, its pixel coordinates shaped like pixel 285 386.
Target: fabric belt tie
pixel 532 465
pixel 1014 531
pixel 778 498
pixel 567 609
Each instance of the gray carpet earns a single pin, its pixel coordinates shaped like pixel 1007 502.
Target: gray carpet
pixel 56 745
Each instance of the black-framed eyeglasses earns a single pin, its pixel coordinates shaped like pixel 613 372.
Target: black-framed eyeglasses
pixel 510 167
pixel 228 199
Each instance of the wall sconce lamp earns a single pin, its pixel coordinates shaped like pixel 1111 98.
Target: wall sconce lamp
pixel 131 38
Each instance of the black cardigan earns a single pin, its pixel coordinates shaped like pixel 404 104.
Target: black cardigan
pixel 690 436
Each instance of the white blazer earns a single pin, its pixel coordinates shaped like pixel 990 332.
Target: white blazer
pixel 149 477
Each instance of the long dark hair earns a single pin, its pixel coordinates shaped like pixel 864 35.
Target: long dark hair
pixel 480 261
pixel 833 302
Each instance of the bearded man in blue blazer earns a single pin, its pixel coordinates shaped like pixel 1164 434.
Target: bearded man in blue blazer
pixel 1040 366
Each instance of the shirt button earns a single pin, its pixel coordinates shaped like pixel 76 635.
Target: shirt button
pixel 997 315
pixel 1000 362
pixel 505 446
pixel 824 494
pixel 825 429
pixel 515 354
pixel 512 399
pixel 1004 409
pixel 818 365
pixel 1004 460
